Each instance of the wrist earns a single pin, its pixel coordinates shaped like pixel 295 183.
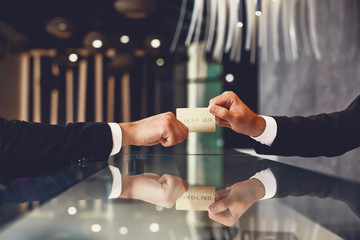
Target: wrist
pixel 127 138
pixel 128 183
pixel 258 127
pixel 258 188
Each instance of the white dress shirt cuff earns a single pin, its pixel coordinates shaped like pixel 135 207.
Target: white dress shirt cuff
pixel 269 134
pixel 117 183
pixel 267 178
pixel 116 137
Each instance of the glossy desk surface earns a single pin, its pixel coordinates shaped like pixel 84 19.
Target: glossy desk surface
pixel 72 203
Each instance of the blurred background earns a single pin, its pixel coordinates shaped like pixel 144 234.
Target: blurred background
pixel 123 60
pixel 74 61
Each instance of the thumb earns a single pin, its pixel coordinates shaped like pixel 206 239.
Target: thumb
pixel 165 180
pixel 152 176
pixel 219 206
pixel 220 112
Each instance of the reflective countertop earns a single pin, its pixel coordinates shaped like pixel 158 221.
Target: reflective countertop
pixel 72 203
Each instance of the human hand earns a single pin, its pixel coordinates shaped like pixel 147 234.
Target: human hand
pixel 231 203
pixel 149 187
pixel 231 112
pixel 162 128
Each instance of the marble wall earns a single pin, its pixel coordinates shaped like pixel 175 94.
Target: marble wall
pixel 310 86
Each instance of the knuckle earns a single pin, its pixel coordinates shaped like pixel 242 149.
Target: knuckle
pixel 221 205
pixel 168 122
pixel 167 176
pixel 229 93
pixel 170 115
pixel 166 144
pixel 167 119
pixel 171 140
pixel 222 113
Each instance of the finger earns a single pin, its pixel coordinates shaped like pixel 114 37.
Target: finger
pixel 180 130
pixel 163 141
pixel 219 206
pixel 221 194
pixel 169 138
pixel 173 134
pixel 152 176
pixel 183 130
pixel 221 113
pixel 174 131
pixel 163 178
pixel 173 187
pixel 222 123
pixel 152 143
pixel 168 130
pixel 173 182
pixel 223 100
pixel 170 182
pixel 224 218
pixel 185 184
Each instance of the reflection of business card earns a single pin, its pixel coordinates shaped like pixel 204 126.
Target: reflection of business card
pixel 196 198
pixel 196 119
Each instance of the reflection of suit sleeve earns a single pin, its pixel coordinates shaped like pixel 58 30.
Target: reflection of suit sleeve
pixel 98 186
pixel 45 187
pixel 298 182
pixel 320 135
pixel 29 146
pixel 292 181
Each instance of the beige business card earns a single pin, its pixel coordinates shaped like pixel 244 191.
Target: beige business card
pixel 196 198
pixel 197 119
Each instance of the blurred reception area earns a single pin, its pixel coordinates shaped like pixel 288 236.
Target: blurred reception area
pixel 74 72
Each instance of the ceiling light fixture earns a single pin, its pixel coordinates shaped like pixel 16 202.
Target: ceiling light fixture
pixel 73 57
pixel 155 43
pixel 124 39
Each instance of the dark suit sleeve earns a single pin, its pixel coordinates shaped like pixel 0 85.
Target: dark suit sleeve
pixel 319 135
pixel 25 146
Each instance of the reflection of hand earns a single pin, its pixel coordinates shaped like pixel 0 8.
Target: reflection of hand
pixel 152 188
pixel 231 112
pixel 162 128
pixel 231 203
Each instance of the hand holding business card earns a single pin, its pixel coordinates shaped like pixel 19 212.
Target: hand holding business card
pixel 196 119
